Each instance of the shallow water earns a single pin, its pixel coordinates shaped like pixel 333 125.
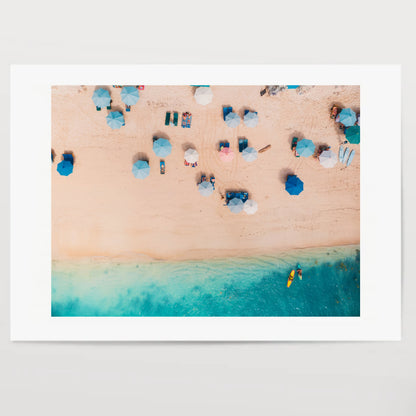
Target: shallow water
pixel 253 286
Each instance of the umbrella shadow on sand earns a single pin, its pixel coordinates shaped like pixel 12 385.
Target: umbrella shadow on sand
pixel 160 135
pixel 284 173
pixel 140 156
pixel 188 145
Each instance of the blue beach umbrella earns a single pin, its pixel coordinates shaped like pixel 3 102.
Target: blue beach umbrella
pixel 101 98
pixel 205 188
pixel 65 168
pixel 232 120
pixel 115 119
pixel 130 95
pixel 305 147
pixel 347 117
pixel 292 87
pixel 162 147
pixel 236 205
pixel 294 185
pixel 352 134
pixel 141 169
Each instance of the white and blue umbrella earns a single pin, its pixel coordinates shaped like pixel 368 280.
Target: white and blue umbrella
pixel 249 154
pixel 205 188
pixel 101 98
pixel 129 95
pixel 251 119
pixel 191 156
pixel 305 147
pixel 162 147
pixel 328 159
pixel 141 169
pixel 250 207
pixel 235 205
pixel 115 119
pixel 347 117
pixel 203 95
pixel 232 120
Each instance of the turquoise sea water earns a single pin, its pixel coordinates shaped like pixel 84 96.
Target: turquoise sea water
pixel 253 286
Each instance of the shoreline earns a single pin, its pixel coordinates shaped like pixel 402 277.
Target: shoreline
pixel 303 253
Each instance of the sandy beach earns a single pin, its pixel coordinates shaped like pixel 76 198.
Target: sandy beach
pixel 102 210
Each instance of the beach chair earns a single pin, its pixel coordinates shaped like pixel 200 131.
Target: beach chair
pixel 109 106
pixel 293 146
pixel 203 178
pixel 226 110
pixel 244 196
pixel 162 167
pixel 247 111
pixel 98 108
pixel 212 180
pixel 128 108
pixel 242 144
pixel 183 122
pixel 175 118
pixel 69 157
pixel 223 145
pixel 188 120
pixel 167 118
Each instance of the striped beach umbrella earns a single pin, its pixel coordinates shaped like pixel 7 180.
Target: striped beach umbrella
pixel 352 134
pixel 232 120
pixel 141 169
pixel 191 156
pixel 249 154
pixel 250 207
pixel 305 148
pixel 205 188
pixel 162 147
pixel 226 154
pixel 101 98
pixel 328 159
pixel 251 119
pixel 115 120
pixel 294 186
pixel 235 205
pixel 203 95
pixel 129 95
pixel 347 117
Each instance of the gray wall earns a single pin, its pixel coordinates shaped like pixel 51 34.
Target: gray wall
pixel 221 378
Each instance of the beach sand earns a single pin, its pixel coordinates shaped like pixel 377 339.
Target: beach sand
pixel 102 210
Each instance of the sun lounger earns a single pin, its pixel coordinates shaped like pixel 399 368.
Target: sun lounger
pixel 242 144
pixel 212 180
pixel 98 108
pixel 162 167
pixel 188 120
pixel 223 145
pixel 128 108
pixel 109 106
pixel 226 110
pixel 175 118
pixel 294 144
pixel 68 157
pixel 247 111
pixel 167 118
pixel 183 122
pixel 262 92
pixel 203 178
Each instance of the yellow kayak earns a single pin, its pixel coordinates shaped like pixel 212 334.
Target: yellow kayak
pixel 291 277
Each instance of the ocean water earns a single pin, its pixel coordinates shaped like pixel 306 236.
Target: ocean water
pixel 253 286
